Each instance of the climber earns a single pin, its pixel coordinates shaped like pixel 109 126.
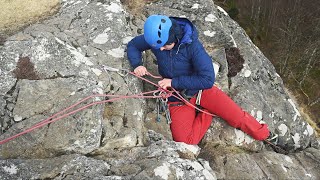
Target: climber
pixel 185 65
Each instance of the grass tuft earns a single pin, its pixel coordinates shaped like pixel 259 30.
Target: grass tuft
pixel 16 14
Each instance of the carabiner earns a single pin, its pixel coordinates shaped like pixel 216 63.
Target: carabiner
pixel 155 93
pixel 163 99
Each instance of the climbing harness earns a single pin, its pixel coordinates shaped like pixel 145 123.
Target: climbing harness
pixel 198 99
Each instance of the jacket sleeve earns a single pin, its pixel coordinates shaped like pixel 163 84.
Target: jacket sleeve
pixel 134 50
pixel 203 72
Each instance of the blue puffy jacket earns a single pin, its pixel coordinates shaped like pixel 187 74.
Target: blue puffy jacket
pixel 187 64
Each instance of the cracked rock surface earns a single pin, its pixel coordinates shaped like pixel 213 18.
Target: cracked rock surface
pixel 53 64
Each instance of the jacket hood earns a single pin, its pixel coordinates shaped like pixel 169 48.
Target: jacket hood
pixel 186 32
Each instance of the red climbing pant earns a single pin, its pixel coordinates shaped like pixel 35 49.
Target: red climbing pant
pixel 189 127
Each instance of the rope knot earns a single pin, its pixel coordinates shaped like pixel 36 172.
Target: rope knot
pixel 165 94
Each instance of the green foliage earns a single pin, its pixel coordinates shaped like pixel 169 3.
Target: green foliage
pixel 233 11
pixel 315 74
pixel 231 4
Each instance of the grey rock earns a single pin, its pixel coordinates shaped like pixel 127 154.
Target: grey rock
pixel 243 165
pixel 80 132
pixel 67 73
pixel 218 55
pixel 226 160
pixel 63 167
pixel 27 146
pixel 10 106
pixel 158 161
pixel 310 161
pixel 2 122
pixel 171 164
pixel 161 126
pixel 277 166
pixel 2 105
pixel 118 140
pixel 7 77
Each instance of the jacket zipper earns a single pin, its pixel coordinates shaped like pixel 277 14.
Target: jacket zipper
pixel 171 62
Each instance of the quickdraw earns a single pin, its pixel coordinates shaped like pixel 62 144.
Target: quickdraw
pixel 162 106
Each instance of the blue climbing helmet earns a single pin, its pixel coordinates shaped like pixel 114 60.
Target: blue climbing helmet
pixel 156 30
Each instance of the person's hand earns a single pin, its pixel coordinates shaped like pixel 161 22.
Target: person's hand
pixel 140 71
pixel 165 83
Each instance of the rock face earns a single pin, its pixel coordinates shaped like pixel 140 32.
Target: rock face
pixel 66 54
pixel 51 65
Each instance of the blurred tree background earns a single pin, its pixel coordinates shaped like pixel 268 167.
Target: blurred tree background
pixel 288 33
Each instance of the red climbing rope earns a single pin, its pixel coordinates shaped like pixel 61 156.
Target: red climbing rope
pixel 163 93
pixel 171 93
pixel 54 117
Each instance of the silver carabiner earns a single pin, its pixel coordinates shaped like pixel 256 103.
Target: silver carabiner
pixel 155 93
pixel 164 100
